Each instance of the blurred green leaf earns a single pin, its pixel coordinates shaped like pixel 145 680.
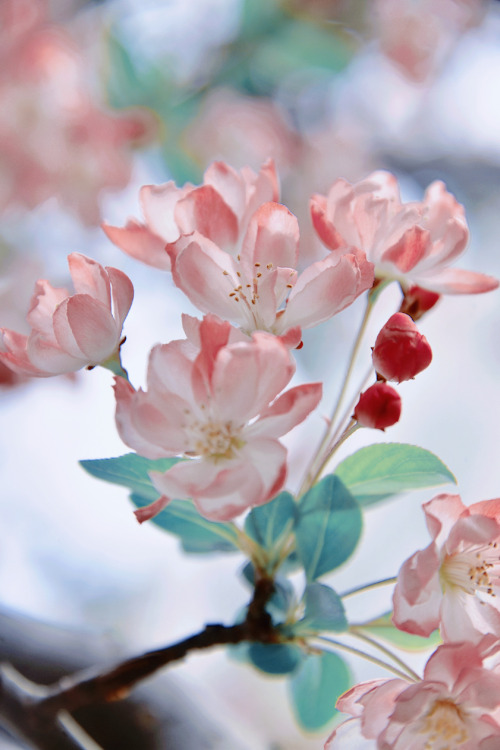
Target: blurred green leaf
pixel 275 658
pixel 324 611
pixel 130 470
pixel 380 471
pixel 315 687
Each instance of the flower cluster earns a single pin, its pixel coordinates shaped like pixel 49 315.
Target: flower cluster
pixel 54 139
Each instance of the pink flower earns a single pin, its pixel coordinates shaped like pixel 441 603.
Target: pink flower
pixel 260 289
pixel 212 404
pixel 400 350
pixel 453 584
pixel 219 210
pixel 69 332
pixel 456 705
pixel 55 140
pixel 411 242
pixel 378 407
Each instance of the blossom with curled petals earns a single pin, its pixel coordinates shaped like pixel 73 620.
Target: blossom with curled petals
pixel 218 406
pixel 454 583
pixel 69 332
pixel 260 288
pixel 455 707
pixel 219 210
pixel 414 243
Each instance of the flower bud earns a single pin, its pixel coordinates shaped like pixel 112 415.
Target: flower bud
pixel 378 407
pixel 400 351
pixel 418 301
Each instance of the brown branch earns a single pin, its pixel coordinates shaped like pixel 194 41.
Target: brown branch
pixel 85 688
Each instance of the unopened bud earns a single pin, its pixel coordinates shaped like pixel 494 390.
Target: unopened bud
pixel 378 407
pixel 400 351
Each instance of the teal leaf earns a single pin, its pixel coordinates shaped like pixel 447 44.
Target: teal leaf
pixel 197 534
pixel 271 523
pixel 315 687
pixel 324 611
pixel 383 628
pixel 328 527
pixel 380 471
pixel 130 471
pixel 275 658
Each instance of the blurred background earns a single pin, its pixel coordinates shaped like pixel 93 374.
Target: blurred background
pixel 97 99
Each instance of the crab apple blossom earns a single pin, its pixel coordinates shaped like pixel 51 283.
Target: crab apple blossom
pixel 400 350
pixel 378 407
pixel 69 332
pixel 414 243
pixel 455 706
pixel 219 210
pixel 453 584
pixel 260 289
pixel 218 406
pixel 55 140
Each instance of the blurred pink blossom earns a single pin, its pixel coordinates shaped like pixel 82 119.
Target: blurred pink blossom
pixel 55 140
pixel 416 35
pixel 218 406
pixel 69 332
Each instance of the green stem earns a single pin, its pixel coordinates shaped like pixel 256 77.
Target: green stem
pixel 368 586
pixel 350 430
pixel 368 657
pixel 318 458
pixel 357 633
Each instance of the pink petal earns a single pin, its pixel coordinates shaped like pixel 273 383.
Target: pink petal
pixel 89 277
pixel 287 411
pixel 229 184
pixel 327 233
pixel 49 357
pixel 158 205
pixel 138 241
pixel 247 377
pixel 408 250
pixel 151 510
pixel 122 292
pixel 456 281
pixel 203 210
pixel 85 328
pixel 13 354
pixel 43 305
pixel 324 289
pixel 272 238
pixel 418 594
pixel 441 513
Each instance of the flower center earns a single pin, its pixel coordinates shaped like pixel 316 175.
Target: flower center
pixel 215 441
pixel 475 570
pixel 443 727
pixel 247 289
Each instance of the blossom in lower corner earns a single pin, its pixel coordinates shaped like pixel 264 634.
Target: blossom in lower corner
pixel 454 583
pixel 69 332
pixel 414 243
pixel 217 405
pixel 455 706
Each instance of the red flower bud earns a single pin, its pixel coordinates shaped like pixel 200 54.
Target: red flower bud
pixel 418 301
pixel 400 351
pixel 378 407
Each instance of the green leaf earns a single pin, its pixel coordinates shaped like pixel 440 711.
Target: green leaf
pixel 196 533
pixel 383 628
pixel 315 687
pixel 324 611
pixel 380 471
pixel 130 471
pixel 275 658
pixel 328 527
pixel 268 524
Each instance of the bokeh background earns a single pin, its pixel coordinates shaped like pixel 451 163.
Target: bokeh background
pixel 97 99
